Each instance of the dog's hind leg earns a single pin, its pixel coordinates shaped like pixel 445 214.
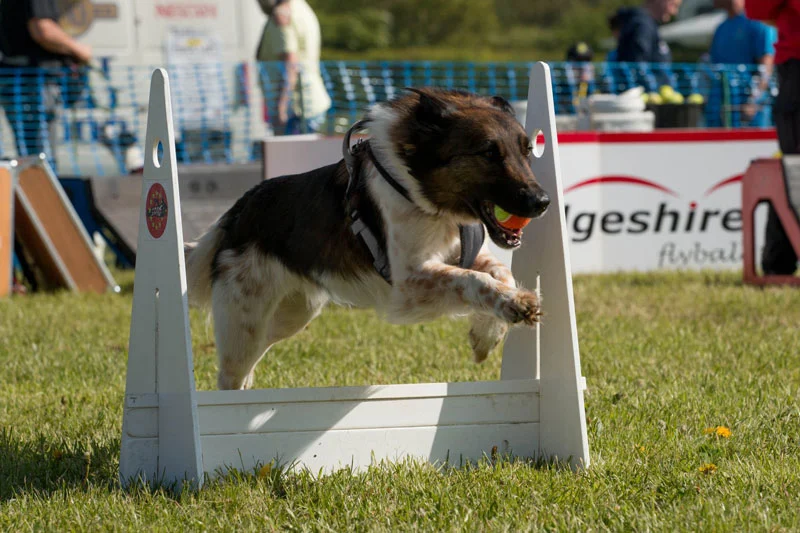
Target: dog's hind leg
pixel 247 290
pixel 240 328
pixel 246 330
pixel 294 312
pixel 290 316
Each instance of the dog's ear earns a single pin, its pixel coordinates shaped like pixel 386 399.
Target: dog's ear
pixel 431 109
pixel 502 104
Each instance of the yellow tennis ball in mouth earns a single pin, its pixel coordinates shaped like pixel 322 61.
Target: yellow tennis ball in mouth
pixel 509 221
pixel 500 214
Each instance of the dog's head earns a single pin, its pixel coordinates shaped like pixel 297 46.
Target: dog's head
pixel 468 154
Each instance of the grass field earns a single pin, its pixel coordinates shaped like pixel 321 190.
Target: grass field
pixel 672 362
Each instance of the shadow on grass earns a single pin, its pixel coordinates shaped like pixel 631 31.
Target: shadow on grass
pixel 46 465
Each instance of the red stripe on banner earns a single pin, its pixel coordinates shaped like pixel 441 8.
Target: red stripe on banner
pixel 723 183
pixel 629 180
pixel 701 135
pixel 577 137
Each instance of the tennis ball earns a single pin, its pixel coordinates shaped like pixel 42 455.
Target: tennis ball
pixel 656 99
pixel 695 98
pixel 666 91
pixel 676 98
pixel 509 221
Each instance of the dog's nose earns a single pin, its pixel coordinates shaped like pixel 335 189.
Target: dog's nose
pixel 542 203
pixel 536 201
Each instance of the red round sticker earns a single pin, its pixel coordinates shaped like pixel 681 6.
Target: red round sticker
pixel 157 210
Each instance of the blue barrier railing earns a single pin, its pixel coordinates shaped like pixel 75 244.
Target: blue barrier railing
pixel 92 121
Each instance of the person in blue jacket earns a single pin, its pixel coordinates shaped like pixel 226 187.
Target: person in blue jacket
pixel 740 40
pixel 614 26
pixel 638 32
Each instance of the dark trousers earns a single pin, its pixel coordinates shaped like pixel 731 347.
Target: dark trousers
pixel 778 256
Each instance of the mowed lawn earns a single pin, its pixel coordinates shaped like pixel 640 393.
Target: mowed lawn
pixel 693 412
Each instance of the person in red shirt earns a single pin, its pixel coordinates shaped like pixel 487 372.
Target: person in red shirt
pixel 778 256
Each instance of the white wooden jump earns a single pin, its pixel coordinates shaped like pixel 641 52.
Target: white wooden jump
pixel 172 433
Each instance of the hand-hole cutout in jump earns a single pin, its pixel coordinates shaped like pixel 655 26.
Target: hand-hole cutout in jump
pixel 172 433
pixel 538 143
pixel 158 153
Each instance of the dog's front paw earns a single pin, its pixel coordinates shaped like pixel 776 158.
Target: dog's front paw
pixel 484 335
pixel 522 307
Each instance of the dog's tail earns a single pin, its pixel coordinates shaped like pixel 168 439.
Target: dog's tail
pixel 199 257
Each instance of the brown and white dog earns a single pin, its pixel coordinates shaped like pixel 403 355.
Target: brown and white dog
pixel 287 247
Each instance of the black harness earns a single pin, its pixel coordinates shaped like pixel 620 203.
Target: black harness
pixel 472 235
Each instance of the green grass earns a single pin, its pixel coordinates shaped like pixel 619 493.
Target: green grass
pixel 666 356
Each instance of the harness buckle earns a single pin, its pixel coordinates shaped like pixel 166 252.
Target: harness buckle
pixel 356 224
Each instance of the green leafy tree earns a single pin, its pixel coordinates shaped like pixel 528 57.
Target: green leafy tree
pixel 357 31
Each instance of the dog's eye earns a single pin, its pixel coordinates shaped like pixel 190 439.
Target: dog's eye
pixel 527 149
pixel 492 152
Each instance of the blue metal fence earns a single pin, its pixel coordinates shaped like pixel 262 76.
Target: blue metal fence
pixel 92 121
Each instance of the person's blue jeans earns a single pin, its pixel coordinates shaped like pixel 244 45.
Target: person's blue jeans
pixel 297 125
pixel 29 104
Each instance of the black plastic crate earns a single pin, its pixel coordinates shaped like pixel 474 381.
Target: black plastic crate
pixel 678 115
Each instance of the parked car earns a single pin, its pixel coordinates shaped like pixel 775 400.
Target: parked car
pixel 694 25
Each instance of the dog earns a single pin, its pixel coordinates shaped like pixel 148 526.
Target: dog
pixel 387 227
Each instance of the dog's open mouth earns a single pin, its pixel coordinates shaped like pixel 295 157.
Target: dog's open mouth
pixel 503 237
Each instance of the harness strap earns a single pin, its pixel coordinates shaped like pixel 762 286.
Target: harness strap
pixel 357 225
pixel 472 237
pixel 349 158
pixel 379 259
pixel 388 177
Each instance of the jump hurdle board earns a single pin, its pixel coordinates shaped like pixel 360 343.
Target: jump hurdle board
pixel 172 433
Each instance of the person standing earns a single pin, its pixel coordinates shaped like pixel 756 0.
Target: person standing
pixel 638 32
pixel 778 256
pixel 292 36
pixel 614 26
pixel 31 42
pixel 740 40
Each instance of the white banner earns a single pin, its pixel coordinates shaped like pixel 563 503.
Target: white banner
pixel 659 201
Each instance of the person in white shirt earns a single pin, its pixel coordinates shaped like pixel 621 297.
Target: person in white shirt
pixel 292 36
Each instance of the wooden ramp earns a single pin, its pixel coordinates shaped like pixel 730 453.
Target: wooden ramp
pixel 52 234
pixel 6 228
